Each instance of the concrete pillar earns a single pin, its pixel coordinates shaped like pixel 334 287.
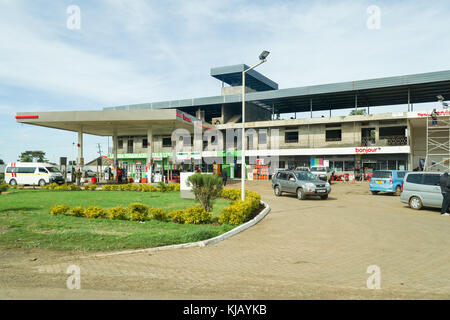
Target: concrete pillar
pixel 149 154
pixel 115 160
pixel 80 159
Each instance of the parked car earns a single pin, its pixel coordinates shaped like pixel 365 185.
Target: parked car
pixel 322 173
pixel 32 173
pixel 387 181
pixel 422 189
pixel 301 183
pixel 305 169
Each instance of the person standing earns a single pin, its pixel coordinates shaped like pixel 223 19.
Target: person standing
pixel 434 115
pixel 224 177
pixel 445 190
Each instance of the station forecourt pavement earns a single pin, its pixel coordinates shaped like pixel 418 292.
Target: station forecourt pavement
pixel 310 249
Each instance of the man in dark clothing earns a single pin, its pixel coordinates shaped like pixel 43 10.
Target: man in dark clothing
pixel 444 183
pixel 224 177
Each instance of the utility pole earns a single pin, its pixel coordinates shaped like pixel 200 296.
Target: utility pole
pixel 100 157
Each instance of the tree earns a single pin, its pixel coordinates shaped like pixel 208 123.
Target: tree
pixel 2 162
pixel 30 156
pixel 206 188
pixel 358 112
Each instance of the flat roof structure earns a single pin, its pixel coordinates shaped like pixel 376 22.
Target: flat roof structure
pixel 106 122
pixel 232 75
pixel 407 89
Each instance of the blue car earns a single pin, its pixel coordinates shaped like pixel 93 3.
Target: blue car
pixel 387 181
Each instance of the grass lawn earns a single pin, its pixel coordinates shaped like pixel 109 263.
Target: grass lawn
pixel 25 222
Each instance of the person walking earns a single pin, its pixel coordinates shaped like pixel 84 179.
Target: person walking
pixel 434 115
pixel 224 177
pixel 444 183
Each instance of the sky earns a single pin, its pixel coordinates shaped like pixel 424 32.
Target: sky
pixel 140 51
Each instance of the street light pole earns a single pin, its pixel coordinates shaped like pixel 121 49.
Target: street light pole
pixel 262 57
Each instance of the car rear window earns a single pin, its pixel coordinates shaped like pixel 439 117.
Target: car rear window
pixel 414 178
pixel 431 179
pixel 382 175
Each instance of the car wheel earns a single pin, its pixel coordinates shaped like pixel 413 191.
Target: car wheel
pixel 398 191
pixel 41 183
pixel 277 191
pixel 374 192
pixel 12 182
pixel 325 197
pixel 415 203
pixel 301 194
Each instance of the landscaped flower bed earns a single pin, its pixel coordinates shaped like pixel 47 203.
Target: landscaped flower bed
pixel 237 213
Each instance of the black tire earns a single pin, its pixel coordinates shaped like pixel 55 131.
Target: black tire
pixel 398 191
pixel 325 197
pixel 277 191
pixel 374 192
pixel 12 182
pixel 301 194
pixel 415 203
pixel 41 183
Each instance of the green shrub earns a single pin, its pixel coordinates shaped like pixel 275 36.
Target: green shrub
pixel 94 212
pixel 239 211
pixel 162 187
pixel 174 187
pixel 158 214
pixel 77 211
pixel 3 187
pixel 176 216
pixel 50 186
pixel 138 211
pixel 147 188
pixel 57 210
pixel 91 187
pixel 118 213
pixel 197 215
pixel 206 188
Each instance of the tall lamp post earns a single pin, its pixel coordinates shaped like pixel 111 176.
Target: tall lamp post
pixel 262 58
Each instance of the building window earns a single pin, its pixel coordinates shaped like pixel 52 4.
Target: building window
pixel 262 137
pixel 333 125
pixel 333 135
pixel 120 144
pixel 188 141
pixel 130 146
pixel 291 136
pixel 144 143
pixel 167 142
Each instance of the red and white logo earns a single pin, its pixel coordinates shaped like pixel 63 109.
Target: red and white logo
pixel 366 150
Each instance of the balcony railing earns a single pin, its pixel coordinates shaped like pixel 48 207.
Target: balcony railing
pixel 393 140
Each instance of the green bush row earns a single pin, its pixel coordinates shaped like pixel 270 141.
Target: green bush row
pixel 161 187
pixel 62 187
pixel 136 212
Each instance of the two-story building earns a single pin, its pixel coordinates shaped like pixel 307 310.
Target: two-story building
pixel 147 137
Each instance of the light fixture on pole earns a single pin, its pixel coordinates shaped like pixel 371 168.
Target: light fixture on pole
pixel 441 100
pixel 262 58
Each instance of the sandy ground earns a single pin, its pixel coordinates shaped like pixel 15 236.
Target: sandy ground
pixel 310 249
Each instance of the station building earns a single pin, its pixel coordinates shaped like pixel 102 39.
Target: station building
pixel 143 134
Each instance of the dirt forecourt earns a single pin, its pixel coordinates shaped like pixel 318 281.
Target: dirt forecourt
pixel 310 249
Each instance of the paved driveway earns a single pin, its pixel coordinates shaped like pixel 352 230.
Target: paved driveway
pixel 311 249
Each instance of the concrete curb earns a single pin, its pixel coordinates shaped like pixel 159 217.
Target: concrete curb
pixel 202 243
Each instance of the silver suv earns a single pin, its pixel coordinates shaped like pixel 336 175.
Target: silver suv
pixel 301 183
